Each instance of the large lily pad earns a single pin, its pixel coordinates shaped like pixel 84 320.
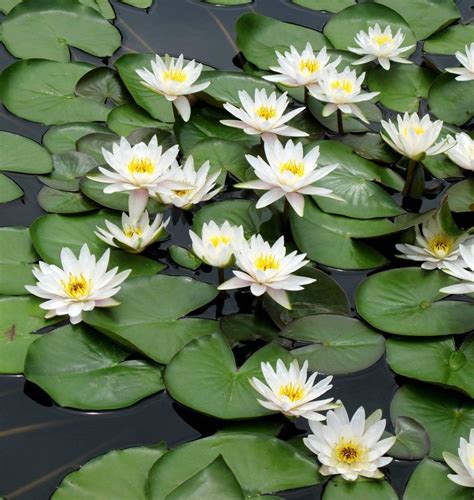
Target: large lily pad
pixel 204 377
pixel 362 489
pixel 148 319
pixel 449 41
pixel 20 154
pixel 123 120
pixel 461 196
pixel 102 6
pixel 9 189
pixel 80 368
pixel 63 138
pixel 247 327
pixel 64 202
pixel 328 5
pixel 407 301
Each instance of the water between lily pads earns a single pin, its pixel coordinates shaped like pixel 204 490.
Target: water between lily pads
pixel 41 442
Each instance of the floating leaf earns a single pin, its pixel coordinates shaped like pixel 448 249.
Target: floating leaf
pixel 9 189
pixel 461 196
pixel 246 327
pixel 449 41
pixel 413 442
pixel 362 489
pixel 64 202
pixel 124 119
pixel 62 138
pixel 92 145
pixel 184 257
pixel 228 2
pixel 20 154
pixel 407 301
pixel 102 6
pixel 102 84
pixel 328 5
pixel 370 146
pixel 141 4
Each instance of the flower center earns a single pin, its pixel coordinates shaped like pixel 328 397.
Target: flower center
pixel 296 168
pixel 310 65
pixel 292 392
pixel 417 130
pixel 344 85
pixel 348 451
pixel 77 287
pixel 264 262
pixel 141 166
pixel 129 231
pixel 181 192
pixel 177 75
pixel 441 245
pixel 266 112
pixel 382 39
pixel 219 240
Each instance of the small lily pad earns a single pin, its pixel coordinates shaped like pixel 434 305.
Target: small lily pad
pixel 184 257
pixel 413 442
pixel 461 196
pixel 9 189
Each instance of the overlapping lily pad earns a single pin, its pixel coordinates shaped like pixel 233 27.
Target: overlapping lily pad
pixel 449 41
pixel 461 196
pixel 102 85
pixel 20 154
pixel 9 189
pixel 247 327
pixel 63 138
pixel 64 202
pixel 123 120
pixel 327 5
pixel 362 489
pixel 412 443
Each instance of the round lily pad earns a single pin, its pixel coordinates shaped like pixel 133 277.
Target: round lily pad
pixel 362 489
pixel 123 120
pixel 370 146
pixel 103 84
pixel 413 442
pixel 20 154
pixel 9 189
pixel 450 40
pixel 247 327
pixel 62 138
pixel 327 5
pixel 461 196
pixel 64 202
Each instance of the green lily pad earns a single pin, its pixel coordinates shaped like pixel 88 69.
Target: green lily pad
pixel 402 86
pixel 119 474
pixel 141 4
pixel 64 202
pixel 204 376
pixel 371 147
pixel 103 84
pixel 413 442
pixel 50 233
pixel 327 5
pixel 335 345
pixel 62 138
pixel 43 91
pixel 19 318
pixel 45 29
pixel 259 36
pixel 362 489
pixel 451 100
pixel 20 154
pixel 424 16
pixel 151 321
pixel 247 327
pixel 9 189
pixel 461 196
pixel 445 415
pixel 184 257
pixel 342 28
pixel 430 480
pixel 102 6
pixel 247 455
pixel 228 2
pixel 92 145
pixel 123 120
pixel 79 368
pixel 407 301
pixel 434 360
pixel 449 41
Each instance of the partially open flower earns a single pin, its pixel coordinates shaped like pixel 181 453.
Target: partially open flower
pixel 81 284
pixel 265 115
pixel 463 464
pixel 381 46
pixel 292 392
pixel 466 72
pixel 462 270
pixel 174 80
pixel 462 152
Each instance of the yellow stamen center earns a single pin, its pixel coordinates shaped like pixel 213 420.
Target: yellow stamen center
pixel 441 245
pixel 292 392
pixel 344 84
pixel 141 166
pixel 219 240
pixel 264 262
pixel 296 168
pixel 181 192
pixel 310 65
pixel 177 75
pixel 417 130
pixel 77 287
pixel 349 452
pixel 381 39
pixel 129 231
pixel 266 112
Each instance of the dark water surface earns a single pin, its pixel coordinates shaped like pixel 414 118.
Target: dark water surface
pixel 40 443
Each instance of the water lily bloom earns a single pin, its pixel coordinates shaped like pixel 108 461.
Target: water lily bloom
pixel 190 186
pixel 351 448
pixel 291 392
pixel 216 244
pixel 342 90
pixel 381 46
pixel 296 70
pixel 463 464
pixel 80 284
pixel 267 269
pixel 463 270
pixel 462 151
pixel 415 137
pixel 433 247
pixel 174 80
pixel 288 173
pixel 465 73
pixel 264 115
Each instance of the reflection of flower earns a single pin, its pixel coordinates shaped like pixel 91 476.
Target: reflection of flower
pixel 297 69
pixel 80 285
pixel 291 392
pixel 216 244
pixel 265 115
pixel 465 73
pixel 267 269
pixel 458 270
pixel 463 465
pixel 350 447
pixel 190 186
pixel 381 46
pixel 462 152
pixel 415 137
pixel 342 91
pixel 174 80
pixel 289 173
pixel 432 246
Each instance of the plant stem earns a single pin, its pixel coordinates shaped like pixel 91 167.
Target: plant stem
pixel 340 126
pixel 286 217
pixel 220 272
pixel 409 180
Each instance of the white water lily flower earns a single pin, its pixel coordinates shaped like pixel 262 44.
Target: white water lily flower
pixel 462 152
pixel 267 269
pixel 342 90
pixel 174 80
pixel 433 247
pixel 414 137
pixel 381 46
pixel 264 115
pixel 465 73
pixel 464 271
pixel 80 284
pixel 190 186
pixel 288 173
pixel 216 244
pixel 351 448
pixel 296 70
pixel 463 464
pixel 291 392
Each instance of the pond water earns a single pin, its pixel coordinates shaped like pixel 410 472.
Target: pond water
pixel 42 442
